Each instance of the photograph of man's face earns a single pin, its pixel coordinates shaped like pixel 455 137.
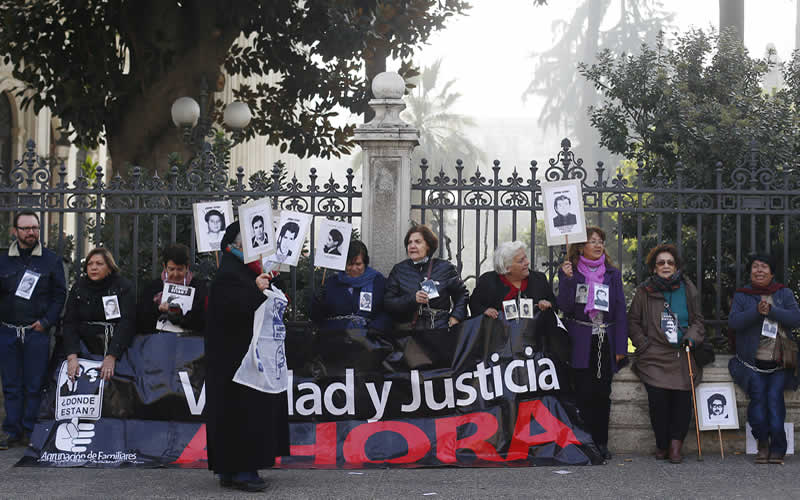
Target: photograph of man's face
pixel 333 242
pixel 215 221
pixel 563 205
pixel 26 285
pixel 287 236
pixel 716 406
pixel 111 308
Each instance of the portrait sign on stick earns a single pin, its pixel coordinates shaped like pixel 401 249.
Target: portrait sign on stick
pixel 716 406
pixel 564 220
pixel 289 237
pixel 333 241
pixel 257 235
pixel 210 220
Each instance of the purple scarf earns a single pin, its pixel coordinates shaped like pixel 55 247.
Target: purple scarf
pixel 592 277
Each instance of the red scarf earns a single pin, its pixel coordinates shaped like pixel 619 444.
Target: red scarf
pixel 512 294
pixel 762 290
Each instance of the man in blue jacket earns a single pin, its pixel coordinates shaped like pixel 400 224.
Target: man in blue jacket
pixel 32 294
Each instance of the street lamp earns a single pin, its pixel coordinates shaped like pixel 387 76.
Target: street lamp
pixel 194 119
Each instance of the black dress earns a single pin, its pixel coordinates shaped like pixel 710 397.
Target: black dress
pixel 490 291
pixel 246 428
pixel 85 306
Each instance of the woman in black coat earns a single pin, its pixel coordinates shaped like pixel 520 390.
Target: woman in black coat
pixel 246 428
pixel 100 312
pixel 409 301
pixel 511 279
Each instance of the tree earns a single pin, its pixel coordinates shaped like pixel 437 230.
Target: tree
pixel 110 69
pixel 567 97
pixel 442 132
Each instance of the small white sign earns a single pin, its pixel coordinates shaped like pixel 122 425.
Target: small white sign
pixel 211 218
pixel 563 212
pixel 27 284
pixel 510 309
pixel 716 406
pixel 83 397
pixel 333 242
pixel 601 297
pixel 254 223
pixel 289 237
pixel 111 307
pixel 769 328
pixel 175 296
pixel 526 308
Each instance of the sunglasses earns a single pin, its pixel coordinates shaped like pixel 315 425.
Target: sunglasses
pixel 665 263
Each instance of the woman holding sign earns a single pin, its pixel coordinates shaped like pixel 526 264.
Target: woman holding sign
pixel 352 298
pixel 599 333
pixel 246 428
pixel 423 292
pixel 100 313
pixel 664 318
pixel 763 314
pixel 512 279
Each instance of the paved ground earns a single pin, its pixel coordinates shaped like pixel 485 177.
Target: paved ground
pixel 623 477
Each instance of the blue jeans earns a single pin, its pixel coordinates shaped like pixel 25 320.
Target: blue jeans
pixel 767 410
pixel 23 368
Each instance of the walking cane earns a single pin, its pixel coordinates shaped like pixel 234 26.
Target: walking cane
pixel 694 404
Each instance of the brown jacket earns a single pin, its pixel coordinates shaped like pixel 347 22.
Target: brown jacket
pixel 657 362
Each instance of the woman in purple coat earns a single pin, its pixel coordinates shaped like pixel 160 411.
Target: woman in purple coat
pixel 591 296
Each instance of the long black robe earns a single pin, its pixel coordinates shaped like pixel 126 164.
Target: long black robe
pixel 246 428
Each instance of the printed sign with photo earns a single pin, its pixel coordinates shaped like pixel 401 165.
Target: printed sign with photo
pixel 601 297
pixel 526 308
pixel 175 296
pixel 27 284
pixel 111 307
pixel 257 236
pixel 289 237
pixel 211 218
pixel 716 406
pixel 510 309
pixel 81 398
pixel 333 241
pixel 563 212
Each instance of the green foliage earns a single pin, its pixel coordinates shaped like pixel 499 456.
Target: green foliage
pixel 98 63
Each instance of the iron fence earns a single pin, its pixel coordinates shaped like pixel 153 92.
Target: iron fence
pixel 716 215
pixel 137 214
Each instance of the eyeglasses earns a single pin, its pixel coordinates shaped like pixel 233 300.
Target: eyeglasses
pixel 599 243
pixel 665 263
pixel 29 229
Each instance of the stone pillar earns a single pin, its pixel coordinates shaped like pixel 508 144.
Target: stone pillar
pixel 387 142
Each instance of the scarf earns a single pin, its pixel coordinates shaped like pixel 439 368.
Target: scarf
pixel 656 283
pixel 592 278
pixel 514 291
pixel 254 266
pixel 762 290
pixel 186 279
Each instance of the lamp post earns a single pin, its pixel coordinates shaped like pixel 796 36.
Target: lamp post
pixel 194 120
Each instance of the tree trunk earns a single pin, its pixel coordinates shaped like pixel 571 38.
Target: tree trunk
pixel 731 15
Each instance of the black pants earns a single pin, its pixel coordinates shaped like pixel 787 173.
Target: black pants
pixel 593 394
pixel 670 413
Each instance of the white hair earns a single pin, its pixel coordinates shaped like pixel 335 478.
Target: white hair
pixel 504 255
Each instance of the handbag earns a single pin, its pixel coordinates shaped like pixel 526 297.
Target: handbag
pixel 788 348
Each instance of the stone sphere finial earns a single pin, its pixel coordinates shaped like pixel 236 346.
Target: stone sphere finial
pixel 388 85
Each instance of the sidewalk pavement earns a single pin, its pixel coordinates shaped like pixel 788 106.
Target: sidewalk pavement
pixel 625 476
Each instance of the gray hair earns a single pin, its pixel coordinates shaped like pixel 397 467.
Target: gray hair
pixel 504 255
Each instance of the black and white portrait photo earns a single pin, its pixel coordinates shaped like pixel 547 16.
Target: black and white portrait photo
pixel 510 309
pixel 27 284
pixel 210 220
pixel 601 297
pixel 289 237
pixel 581 293
pixel 255 222
pixel 111 307
pixel 526 308
pixel 332 243
pixel 563 212
pixel 716 406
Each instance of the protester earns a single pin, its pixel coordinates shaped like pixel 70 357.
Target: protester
pixel 32 293
pixel 665 316
pixel 511 279
pixel 90 325
pixel 154 309
pixel 412 282
pixel 599 335
pixel 246 428
pixel 352 298
pixel 758 366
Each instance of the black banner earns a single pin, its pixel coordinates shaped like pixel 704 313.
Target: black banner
pixel 485 393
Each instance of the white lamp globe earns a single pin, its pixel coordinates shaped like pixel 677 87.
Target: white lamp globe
pixel 185 112
pixel 237 115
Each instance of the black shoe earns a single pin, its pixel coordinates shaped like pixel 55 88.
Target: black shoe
pixel 3 441
pixel 22 440
pixel 251 485
pixel 604 451
pixel 225 480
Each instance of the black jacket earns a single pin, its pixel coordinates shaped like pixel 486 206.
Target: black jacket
pixel 85 303
pixel 246 428
pixel 404 282
pixel 490 291
pixel 147 312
